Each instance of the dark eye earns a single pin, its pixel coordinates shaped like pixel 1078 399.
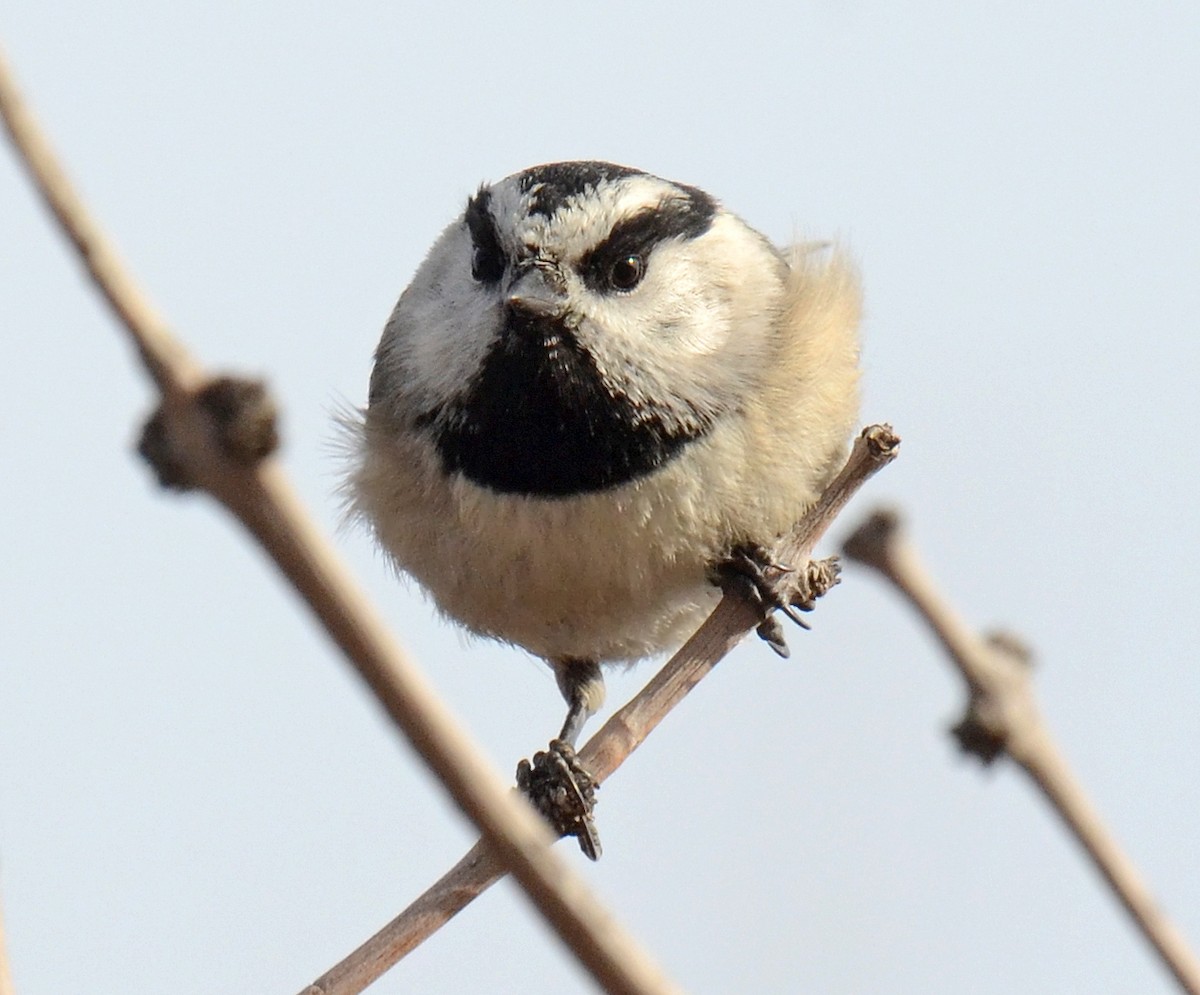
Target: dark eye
pixel 627 273
pixel 487 263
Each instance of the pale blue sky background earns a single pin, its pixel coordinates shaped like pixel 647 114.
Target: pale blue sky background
pixel 195 793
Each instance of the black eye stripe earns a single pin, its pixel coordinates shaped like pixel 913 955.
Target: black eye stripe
pixel 683 216
pixel 487 264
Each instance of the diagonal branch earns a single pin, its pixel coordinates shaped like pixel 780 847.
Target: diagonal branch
pixel 618 738
pixel 258 494
pixel 6 982
pixel 164 357
pixel 1003 718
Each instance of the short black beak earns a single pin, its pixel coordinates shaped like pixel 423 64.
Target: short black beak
pixel 538 291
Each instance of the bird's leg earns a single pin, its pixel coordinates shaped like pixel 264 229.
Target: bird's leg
pixel 559 786
pixel 582 685
pixel 752 573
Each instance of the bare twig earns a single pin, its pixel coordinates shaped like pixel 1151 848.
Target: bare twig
pixel 1003 718
pixel 477 871
pixel 260 497
pixel 6 982
pixel 875 447
pixel 618 738
pixel 168 362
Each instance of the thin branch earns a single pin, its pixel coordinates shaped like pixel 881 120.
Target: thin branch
pixel 168 362
pixel 1003 718
pixel 618 738
pixel 477 871
pixel 729 622
pixel 6 981
pixel 260 497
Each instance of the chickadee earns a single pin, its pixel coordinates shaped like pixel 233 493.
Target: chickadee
pixel 600 390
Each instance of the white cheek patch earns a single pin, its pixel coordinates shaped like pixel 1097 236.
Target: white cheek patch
pixel 675 309
pixel 689 330
pixel 698 325
pixel 444 323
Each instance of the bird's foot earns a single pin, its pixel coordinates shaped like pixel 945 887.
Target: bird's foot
pixel 563 791
pixel 753 574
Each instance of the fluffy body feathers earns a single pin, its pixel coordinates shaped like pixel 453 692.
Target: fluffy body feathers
pixel 559 458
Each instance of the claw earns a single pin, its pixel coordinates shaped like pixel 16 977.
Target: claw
pixel 770 586
pixel 562 790
pixel 793 612
pixel 771 632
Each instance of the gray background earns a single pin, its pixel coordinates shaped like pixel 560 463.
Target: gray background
pixel 195 793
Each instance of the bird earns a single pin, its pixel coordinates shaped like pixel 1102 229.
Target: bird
pixel 601 397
